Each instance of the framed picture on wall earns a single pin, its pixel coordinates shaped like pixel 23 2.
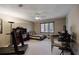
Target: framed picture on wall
pixel 0 26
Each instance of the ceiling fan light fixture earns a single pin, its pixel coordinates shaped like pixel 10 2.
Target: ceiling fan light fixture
pixel 37 18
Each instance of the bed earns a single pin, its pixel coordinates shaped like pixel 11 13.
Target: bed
pixel 38 37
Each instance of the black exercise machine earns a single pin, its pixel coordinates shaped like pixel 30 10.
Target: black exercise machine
pixel 17 38
pixel 65 39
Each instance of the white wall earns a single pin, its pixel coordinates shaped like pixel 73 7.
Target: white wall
pixel 69 25
pixel 5 39
pixel 73 26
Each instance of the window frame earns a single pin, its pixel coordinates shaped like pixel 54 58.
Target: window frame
pixel 44 27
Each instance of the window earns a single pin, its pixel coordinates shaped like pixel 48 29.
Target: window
pixel 42 27
pixel 51 29
pixel 47 27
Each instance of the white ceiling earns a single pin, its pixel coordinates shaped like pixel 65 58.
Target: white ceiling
pixel 29 11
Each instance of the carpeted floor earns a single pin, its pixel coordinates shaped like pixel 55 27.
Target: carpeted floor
pixel 55 50
pixel 36 47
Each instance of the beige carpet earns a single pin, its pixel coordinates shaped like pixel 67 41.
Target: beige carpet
pixel 36 47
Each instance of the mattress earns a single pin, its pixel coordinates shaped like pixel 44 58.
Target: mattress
pixel 35 37
pixel 39 37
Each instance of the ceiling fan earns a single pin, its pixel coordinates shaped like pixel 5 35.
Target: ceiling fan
pixel 39 15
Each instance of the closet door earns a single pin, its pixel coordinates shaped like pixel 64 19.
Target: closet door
pixel 7 31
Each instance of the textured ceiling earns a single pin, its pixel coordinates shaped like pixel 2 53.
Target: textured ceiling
pixel 30 11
